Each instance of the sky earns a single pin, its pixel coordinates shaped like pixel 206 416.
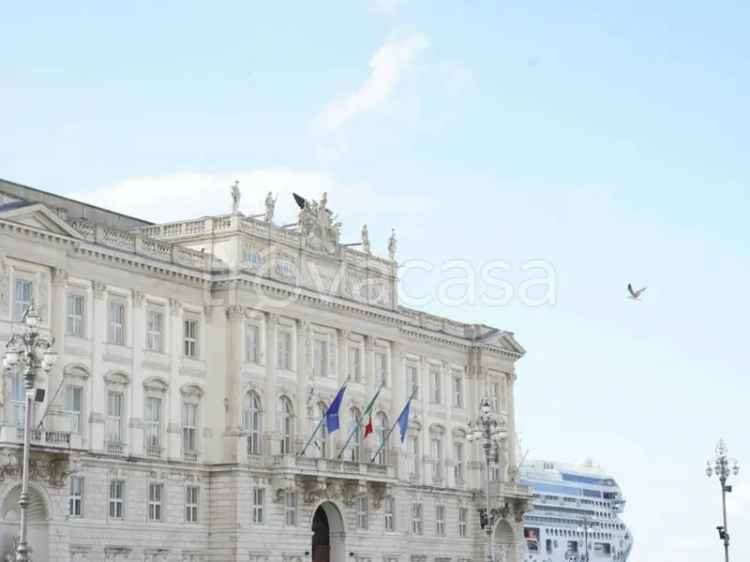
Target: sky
pixel 607 141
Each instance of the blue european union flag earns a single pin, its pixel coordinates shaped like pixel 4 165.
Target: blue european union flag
pixel 403 420
pixel 332 413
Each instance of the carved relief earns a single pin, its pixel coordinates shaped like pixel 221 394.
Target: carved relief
pixel 319 226
pixel 59 277
pixel 138 297
pixel 100 289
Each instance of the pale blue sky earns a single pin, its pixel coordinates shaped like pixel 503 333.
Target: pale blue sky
pixel 610 141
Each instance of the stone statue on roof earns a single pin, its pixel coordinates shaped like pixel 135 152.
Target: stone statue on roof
pixel 236 195
pixel 392 245
pixel 365 240
pixel 270 206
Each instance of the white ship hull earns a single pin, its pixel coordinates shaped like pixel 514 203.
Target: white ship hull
pixel 576 509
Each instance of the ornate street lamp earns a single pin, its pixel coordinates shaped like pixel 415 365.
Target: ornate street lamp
pixel 583 527
pixel 32 353
pixel 490 429
pixel 723 467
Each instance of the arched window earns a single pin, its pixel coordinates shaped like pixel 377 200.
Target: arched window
pixel 355 446
pixel 253 422
pixel 286 424
pixel 322 439
pixel 382 433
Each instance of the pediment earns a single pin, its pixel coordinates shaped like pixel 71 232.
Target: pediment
pixel 502 339
pixel 38 216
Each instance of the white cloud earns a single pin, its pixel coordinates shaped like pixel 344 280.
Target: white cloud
pixel 182 196
pixel 387 7
pixel 387 67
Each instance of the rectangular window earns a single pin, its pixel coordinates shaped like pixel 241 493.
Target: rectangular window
pixel 435 390
pixel 390 513
pixel 189 428
pixel 290 506
pixel 416 518
pixel 75 508
pixel 18 397
pixel 74 324
pixel 155 330
pixel 73 400
pixel 355 363
pixel 116 499
pixel 152 425
pixel 252 343
pixel 458 391
pixel 23 297
pixel 117 322
pixel 437 457
pixel 462 517
pixel 458 466
pixel 191 504
pixel 381 367
pixel 154 501
pixel 412 380
pixel 495 396
pixel 362 515
pixel 285 351
pixel 191 328
pixel 320 358
pixel 440 520
pixel 115 409
pixel 259 500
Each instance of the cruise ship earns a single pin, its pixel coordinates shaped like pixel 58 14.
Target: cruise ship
pixel 575 508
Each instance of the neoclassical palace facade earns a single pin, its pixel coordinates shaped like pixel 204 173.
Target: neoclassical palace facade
pixel 197 357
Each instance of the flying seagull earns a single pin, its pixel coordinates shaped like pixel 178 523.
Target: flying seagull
pixel 635 295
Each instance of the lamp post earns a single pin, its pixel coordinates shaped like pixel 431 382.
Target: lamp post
pixel 490 428
pixel 586 523
pixel 723 467
pixel 30 352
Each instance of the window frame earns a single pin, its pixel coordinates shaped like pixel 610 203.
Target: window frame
pixel 117 327
pixel 290 508
pixel 440 520
pixel 191 332
pixel 417 519
pixel 116 501
pixel 155 512
pixel 75 497
pixel 192 502
pixel 75 321
pixel 77 415
pixel 152 428
pixel 155 328
pixel 19 306
pixel 389 514
pixel 258 506
pixel 362 514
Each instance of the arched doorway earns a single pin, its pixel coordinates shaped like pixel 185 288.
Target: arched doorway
pixel 504 543
pixel 328 534
pixel 38 523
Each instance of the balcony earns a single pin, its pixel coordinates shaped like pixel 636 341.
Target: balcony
pixel 54 433
pixel 319 477
pixel 115 447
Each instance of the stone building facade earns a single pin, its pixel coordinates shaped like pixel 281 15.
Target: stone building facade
pixel 197 357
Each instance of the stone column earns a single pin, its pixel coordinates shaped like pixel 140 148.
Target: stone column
pixel 98 396
pixel 269 394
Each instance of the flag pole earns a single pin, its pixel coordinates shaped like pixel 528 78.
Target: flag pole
pixel 388 435
pixel 320 424
pixel 359 424
pixel 314 433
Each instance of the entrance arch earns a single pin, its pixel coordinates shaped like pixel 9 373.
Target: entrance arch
pixel 328 544
pixel 504 544
pixel 38 518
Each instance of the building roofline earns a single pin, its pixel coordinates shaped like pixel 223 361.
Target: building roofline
pixel 76 201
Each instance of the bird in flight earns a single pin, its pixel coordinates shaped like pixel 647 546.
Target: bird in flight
pixel 635 295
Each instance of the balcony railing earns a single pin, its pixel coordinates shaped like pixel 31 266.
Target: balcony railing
pixel 332 467
pixel 115 447
pixel 40 435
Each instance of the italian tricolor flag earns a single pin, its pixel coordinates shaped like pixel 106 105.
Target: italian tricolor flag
pixel 368 413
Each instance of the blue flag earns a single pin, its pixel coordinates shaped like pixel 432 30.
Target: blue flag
pixel 403 420
pixel 332 413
